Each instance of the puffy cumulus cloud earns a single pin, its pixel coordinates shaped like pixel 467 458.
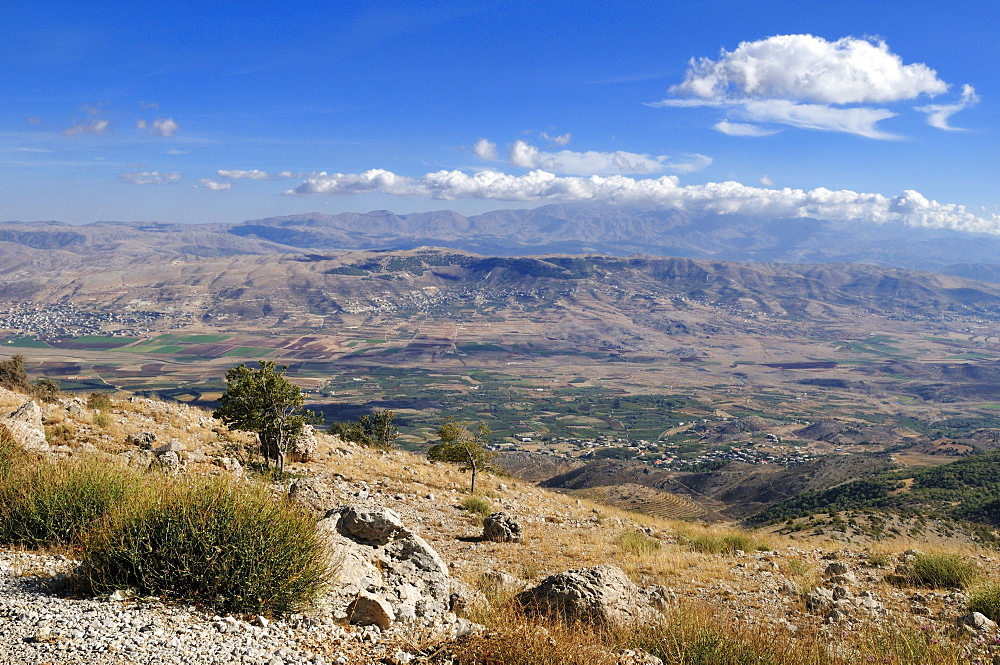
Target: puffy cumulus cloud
pixel 806 81
pixel 806 68
pixel 742 129
pixel 150 178
pixel 355 183
pixel 213 185
pixel 910 208
pixel 96 126
pixel 593 162
pixel 766 181
pixel 159 127
pixel 939 114
pixel 485 150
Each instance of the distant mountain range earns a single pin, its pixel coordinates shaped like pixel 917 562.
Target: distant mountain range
pixel 553 229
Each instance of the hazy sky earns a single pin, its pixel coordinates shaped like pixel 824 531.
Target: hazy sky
pixel 225 111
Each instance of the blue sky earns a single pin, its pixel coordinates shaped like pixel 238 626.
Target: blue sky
pixel 225 111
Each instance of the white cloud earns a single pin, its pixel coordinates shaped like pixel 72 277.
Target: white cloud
pixel 150 178
pixel 593 162
pixel 159 127
pixel 855 120
pixel 239 174
pixel 939 114
pixel 806 81
pixel 149 105
pixel 175 151
pixel 910 208
pixel 806 68
pixel 485 150
pixel 212 184
pixel 564 139
pixel 34 121
pixel 94 126
pixel 765 180
pixel 742 129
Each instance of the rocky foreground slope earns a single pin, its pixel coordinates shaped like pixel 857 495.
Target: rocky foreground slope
pixel 415 572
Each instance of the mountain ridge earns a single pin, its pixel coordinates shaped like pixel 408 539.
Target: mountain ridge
pixel 551 229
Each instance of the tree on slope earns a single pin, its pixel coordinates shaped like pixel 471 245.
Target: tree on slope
pixel 264 402
pixel 375 430
pixel 460 446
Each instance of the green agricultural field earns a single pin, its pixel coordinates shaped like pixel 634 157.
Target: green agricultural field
pixel 248 352
pixel 27 343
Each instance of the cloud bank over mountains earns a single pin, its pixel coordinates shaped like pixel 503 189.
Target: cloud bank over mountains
pixel 909 208
pixel 808 82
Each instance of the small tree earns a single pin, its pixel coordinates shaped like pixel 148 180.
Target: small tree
pixel 46 389
pixel 460 446
pixel 375 431
pixel 12 374
pixel 263 401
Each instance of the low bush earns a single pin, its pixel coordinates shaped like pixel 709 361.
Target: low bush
pixel 986 600
pixel 638 543
pixel 99 401
pixel 228 546
pixel 943 571
pixel 477 504
pixel 51 504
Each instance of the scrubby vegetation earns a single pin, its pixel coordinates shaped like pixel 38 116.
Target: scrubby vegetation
pixel 966 489
pixel 986 600
pixel 230 546
pixel 712 543
pixel 220 543
pixel 50 504
pixel 689 637
pixel 942 570
pixel 477 504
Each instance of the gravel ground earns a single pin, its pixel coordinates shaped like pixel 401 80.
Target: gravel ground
pixel 39 626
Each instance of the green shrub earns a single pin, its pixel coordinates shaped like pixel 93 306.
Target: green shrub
pixel 986 600
pixel 477 504
pixel 99 401
pixel 229 546
pixel 638 543
pixel 943 571
pixel 52 504
pixel 102 420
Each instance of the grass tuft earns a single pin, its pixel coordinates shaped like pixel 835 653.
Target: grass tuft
pixel 943 571
pixel 51 504
pixel 707 543
pixel 986 600
pixel 477 504
pixel 638 543
pixel 225 545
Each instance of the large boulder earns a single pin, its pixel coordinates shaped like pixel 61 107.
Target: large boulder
pixel 25 425
pixel 502 528
pixel 600 596
pixel 303 447
pixel 377 555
